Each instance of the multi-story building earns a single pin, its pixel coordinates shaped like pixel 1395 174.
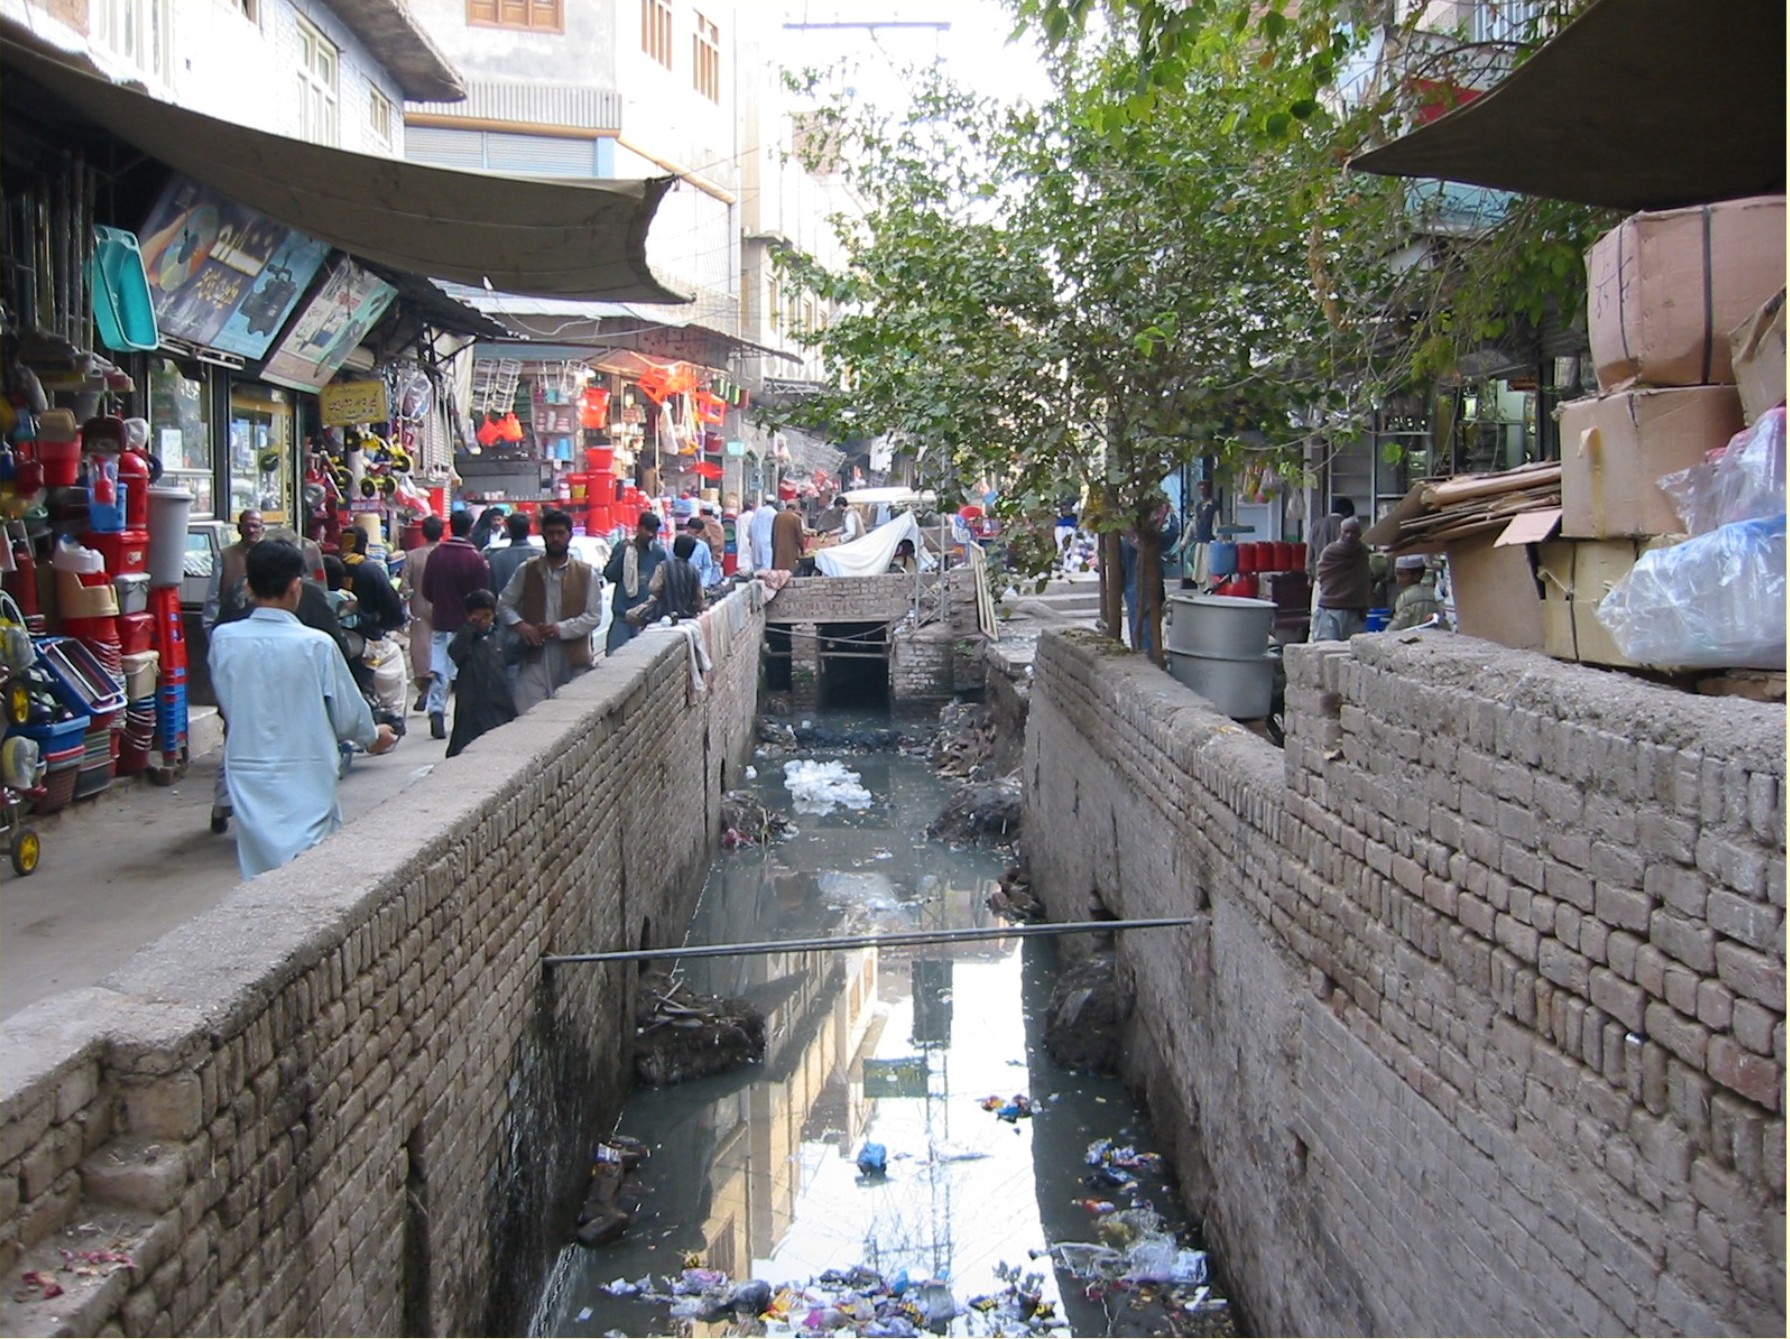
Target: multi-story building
pixel 336 74
pixel 648 88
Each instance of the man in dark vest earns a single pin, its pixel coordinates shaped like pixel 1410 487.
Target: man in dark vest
pixel 554 603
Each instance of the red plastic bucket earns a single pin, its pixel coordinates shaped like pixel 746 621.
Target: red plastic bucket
pixel 61 462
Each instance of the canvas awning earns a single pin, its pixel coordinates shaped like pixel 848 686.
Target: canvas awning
pixel 558 238
pixel 1638 104
pixel 602 325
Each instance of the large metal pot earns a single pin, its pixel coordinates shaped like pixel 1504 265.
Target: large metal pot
pixel 1218 625
pixel 1238 688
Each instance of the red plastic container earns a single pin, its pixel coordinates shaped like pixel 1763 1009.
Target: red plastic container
pixel 124 551
pixel 61 462
pixel 136 633
pixel 1246 557
pixel 1299 552
pixel 600 458
pixel 92 629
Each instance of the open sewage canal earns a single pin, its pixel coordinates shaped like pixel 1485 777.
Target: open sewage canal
pixel 1017 1197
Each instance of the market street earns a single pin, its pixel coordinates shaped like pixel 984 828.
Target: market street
pixel 122 870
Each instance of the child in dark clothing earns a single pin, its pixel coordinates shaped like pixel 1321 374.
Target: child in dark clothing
pixel 482 698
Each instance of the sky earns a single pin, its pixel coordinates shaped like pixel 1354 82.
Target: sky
pixel 970 36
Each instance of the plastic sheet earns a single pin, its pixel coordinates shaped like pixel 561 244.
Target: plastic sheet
pixel 1745 484
pixel 1715 601
pixel 821 787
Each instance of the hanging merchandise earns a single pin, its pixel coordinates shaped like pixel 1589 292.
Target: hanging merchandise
pixel 594 416
pixel 490 431
pixel 710 409
pixel 509 429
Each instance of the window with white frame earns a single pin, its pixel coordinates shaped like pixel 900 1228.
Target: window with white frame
pixel 319 74
pixel 705 59
pixel 379 117
pixel 136 30
pixel 1504 20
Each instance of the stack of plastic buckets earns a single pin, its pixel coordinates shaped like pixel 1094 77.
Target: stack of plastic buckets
pixel 599 489
pixel 169 509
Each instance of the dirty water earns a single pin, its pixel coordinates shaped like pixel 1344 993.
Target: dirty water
pixel 754 1173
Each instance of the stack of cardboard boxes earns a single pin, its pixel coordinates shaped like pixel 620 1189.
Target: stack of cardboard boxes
pixel 1687 334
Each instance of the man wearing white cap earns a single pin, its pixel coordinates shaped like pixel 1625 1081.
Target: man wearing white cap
pixel 1417 599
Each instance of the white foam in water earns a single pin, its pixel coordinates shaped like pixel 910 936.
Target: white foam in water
pixel 821 787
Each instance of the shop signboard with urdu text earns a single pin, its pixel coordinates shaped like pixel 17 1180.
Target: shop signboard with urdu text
pixel 346 307
pixel 223 276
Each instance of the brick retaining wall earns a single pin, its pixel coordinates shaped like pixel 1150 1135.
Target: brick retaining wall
pixel 349 1100
pixel 1481 1026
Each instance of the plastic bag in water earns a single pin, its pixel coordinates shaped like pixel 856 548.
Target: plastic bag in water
pixel 1715 601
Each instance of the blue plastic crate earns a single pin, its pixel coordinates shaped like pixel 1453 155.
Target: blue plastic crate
pixel 57 736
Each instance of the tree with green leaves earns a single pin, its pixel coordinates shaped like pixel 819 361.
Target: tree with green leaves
pixel 1165 261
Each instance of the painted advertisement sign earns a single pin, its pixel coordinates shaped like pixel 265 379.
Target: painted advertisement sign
pixel 222 275
pixel 346 307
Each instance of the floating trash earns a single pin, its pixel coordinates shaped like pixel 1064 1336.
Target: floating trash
pixel 821 787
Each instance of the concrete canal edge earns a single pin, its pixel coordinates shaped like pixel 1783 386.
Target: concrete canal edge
pixel 348 1100
pixel 1481 1027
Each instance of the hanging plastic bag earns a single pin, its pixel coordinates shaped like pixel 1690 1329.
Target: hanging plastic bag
pixel 1745 484
pixel 1715 601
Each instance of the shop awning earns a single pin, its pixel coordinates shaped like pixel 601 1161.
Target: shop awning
pixel 577 239
pixel 601 325
pixel 1638 104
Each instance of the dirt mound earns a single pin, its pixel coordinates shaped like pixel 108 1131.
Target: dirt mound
pixel 683 1035
pixel 1084 1028
pixel 986 811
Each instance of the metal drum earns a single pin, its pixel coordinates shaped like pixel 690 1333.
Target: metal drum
pixel 1240 689
pixel 1218 625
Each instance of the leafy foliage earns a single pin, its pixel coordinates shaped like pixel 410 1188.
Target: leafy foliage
pixel 1167 260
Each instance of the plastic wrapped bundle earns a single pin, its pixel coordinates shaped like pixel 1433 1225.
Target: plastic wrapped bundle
pixel 1715 601
pixel 1745 484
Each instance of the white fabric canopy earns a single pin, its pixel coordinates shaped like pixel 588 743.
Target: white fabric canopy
pixel 871 555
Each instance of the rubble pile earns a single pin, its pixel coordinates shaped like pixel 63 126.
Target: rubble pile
pixel 980 812
pixel 746 822
pixel 964 744
pixel 614 1195
pixel 683 1035
pixel 1084 1026
pixel 1014 898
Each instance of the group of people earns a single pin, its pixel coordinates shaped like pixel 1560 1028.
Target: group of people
pixel 499 630
pixel 1348 579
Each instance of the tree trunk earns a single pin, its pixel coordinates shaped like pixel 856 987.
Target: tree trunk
pixel 1149 590
pixel 1112 585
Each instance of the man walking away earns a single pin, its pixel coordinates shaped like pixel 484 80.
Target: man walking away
pixel 702 557
pixel 505 561
pixel 456 569
pixel 764 518
pixel 675 590
pixel 287 698
pixel 629 574
pixel 1324 532
pixel 410 582
pixel 788 538
pixel 554 602
pixel 482 699
pixel 314 610
pixel 1344 579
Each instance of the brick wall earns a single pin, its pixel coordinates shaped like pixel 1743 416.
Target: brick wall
pixel 879 599
pixel 349 1100
pixel 1480 1028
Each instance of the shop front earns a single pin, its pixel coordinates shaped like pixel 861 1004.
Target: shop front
pixel 182 339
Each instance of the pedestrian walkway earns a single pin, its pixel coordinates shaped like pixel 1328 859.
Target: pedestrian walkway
pixel 123 869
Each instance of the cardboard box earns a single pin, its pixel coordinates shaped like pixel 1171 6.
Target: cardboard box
pixel 1758 347
pixel 1576 574
pixel 1665 288
pixel 1495 594
pixel 1614 448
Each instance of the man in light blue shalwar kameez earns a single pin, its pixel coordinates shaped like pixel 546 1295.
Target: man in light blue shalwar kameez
pixel 287 697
